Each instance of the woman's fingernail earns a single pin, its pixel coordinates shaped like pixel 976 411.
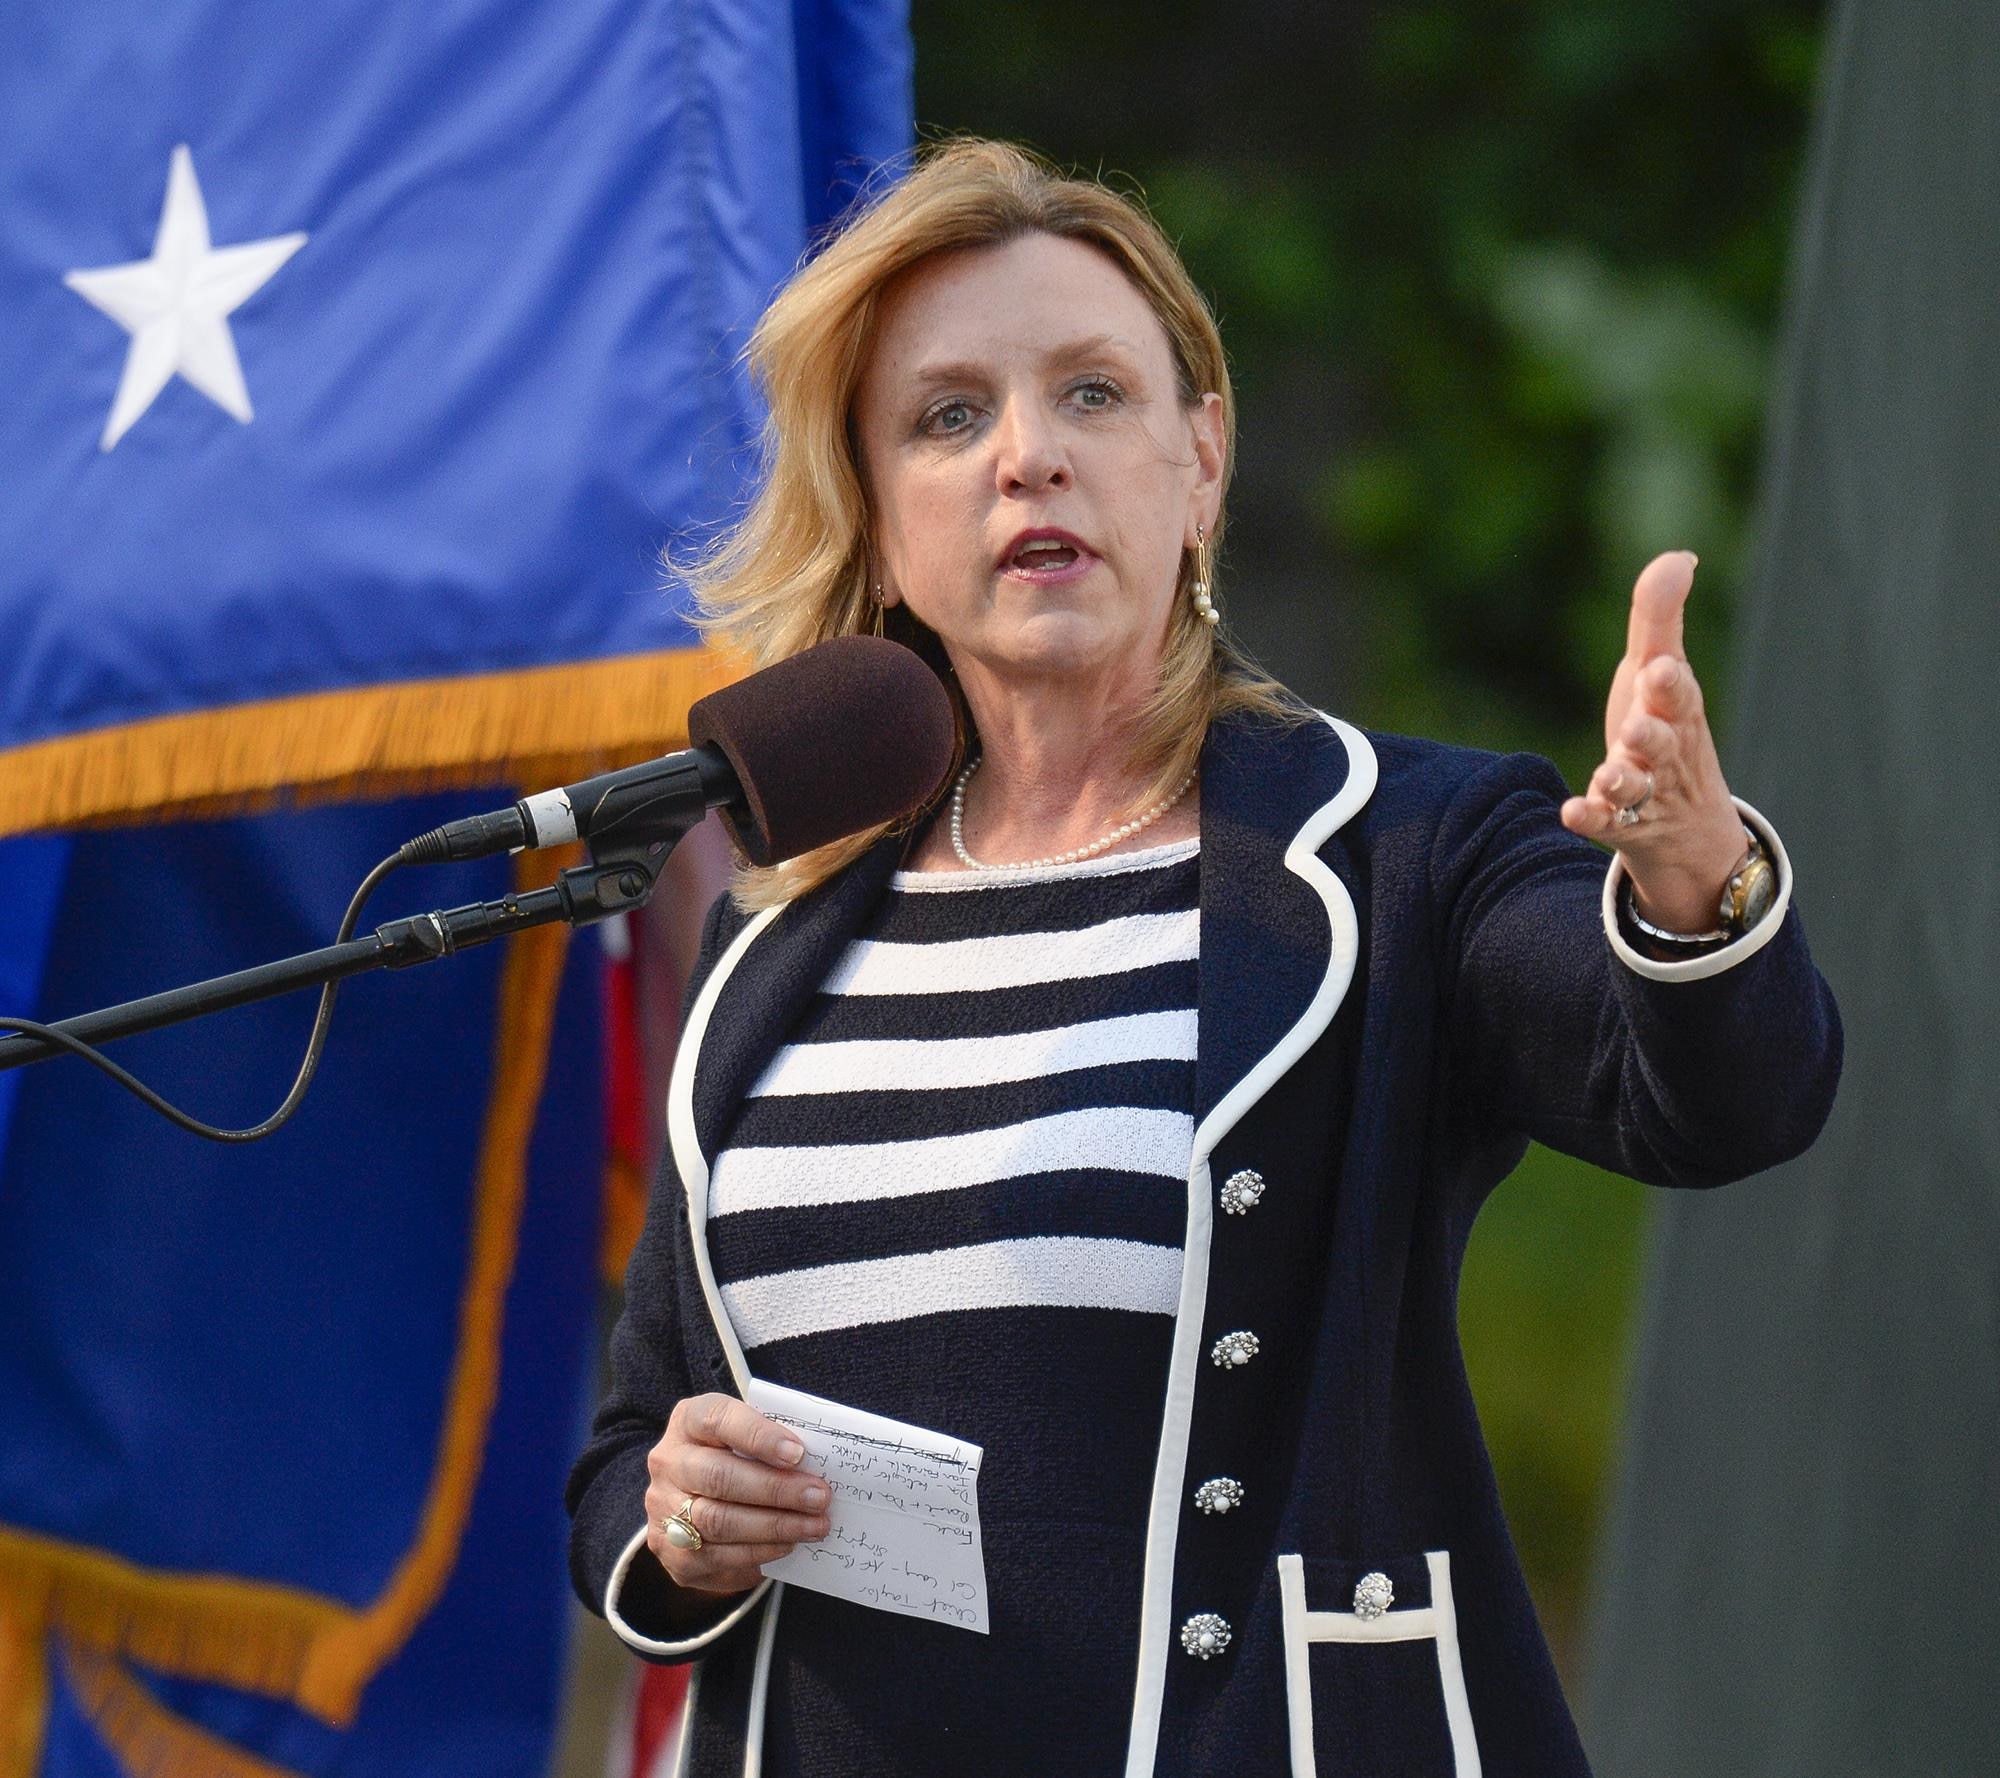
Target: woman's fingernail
pixel 790 1450
pixel 815 1497
pixel 1694 561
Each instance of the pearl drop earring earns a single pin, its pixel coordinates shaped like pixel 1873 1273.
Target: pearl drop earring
pixel 1204 605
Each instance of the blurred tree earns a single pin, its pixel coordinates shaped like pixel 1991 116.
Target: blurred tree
pixel 1498 281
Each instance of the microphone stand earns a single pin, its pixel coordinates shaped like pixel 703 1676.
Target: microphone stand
pixel 636 827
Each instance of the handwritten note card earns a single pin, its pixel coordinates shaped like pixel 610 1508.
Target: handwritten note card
pixel 905 1511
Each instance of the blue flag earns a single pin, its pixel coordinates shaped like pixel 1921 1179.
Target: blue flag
pixel 262 1405
pixel 360 361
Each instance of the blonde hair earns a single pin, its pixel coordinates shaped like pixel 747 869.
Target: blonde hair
pixel 794 570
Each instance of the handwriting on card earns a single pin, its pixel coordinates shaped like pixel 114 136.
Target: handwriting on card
pixel 904 1512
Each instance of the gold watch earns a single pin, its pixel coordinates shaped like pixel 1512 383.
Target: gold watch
pixel 1746 898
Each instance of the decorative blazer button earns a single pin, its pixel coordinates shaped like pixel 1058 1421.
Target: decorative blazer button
pixel 1234 1349
pixel 1219 1495
pixel 1373 1595
pixel 1241 1190
pixel 1205 1635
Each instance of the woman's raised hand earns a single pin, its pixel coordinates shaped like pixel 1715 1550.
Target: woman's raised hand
pixel 751 1503
pixel 1660 757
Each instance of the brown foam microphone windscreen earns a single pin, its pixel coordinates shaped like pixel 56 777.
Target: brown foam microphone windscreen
pixel 841 737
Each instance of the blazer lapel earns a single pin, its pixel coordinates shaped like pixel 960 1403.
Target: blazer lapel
pixel 1278 940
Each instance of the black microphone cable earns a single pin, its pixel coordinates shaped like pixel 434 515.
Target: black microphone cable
pixel 315 1044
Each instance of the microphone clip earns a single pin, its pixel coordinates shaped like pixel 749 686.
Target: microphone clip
pixel 636 828
pixel 636 824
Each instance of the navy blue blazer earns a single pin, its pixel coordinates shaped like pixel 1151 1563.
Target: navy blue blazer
pixel 1409 968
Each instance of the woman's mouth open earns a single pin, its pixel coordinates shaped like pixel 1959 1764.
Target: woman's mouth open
pixel 1047 561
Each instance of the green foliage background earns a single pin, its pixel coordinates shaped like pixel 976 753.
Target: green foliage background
pixel 1500 283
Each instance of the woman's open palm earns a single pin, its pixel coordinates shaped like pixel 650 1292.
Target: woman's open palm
pixel 1660 763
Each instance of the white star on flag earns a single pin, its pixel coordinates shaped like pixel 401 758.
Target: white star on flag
pixel 175 305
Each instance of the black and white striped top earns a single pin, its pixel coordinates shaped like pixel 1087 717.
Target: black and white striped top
pixel 957 1196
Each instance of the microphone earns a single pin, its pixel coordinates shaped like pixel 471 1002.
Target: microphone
pixel 844 736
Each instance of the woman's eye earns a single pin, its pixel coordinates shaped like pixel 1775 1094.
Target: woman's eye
pixel 948 417
pixel 1097 394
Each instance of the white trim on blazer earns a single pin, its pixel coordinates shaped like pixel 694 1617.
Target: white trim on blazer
pixel 1170 1471
pixel 1690 969
pixel 693 1166
pixel 1436 1622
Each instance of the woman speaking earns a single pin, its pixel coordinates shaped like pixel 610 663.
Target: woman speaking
pixel 1127 1113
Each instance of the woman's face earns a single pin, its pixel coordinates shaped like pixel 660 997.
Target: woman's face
pixel 1017 391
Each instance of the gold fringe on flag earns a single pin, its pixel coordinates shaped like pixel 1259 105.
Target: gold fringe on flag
pixel 539 726
pixel 149 1740
pixel 286 1642
pixel 249 1634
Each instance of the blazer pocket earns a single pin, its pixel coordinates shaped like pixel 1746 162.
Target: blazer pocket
pixel 1373 1684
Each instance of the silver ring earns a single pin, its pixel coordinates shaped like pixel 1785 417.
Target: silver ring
pixel 1628 816
pixel 680 1530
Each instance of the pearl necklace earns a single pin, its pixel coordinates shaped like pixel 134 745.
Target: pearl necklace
pixel 1124 832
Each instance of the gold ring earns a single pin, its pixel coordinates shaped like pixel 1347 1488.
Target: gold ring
pixel 680 1530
